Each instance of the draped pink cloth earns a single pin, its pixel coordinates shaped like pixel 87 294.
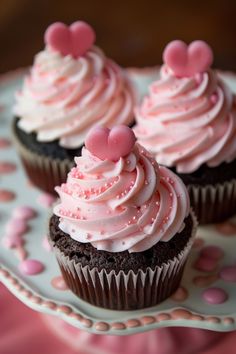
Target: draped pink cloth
pixel 23 331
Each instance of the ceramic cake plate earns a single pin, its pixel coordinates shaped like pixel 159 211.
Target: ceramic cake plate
pixel 205 299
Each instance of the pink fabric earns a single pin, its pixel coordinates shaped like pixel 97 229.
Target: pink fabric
pixel 23 332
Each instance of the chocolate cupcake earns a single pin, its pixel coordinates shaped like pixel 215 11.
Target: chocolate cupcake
pixel 188 122
pixel 71 87
pixel 122 229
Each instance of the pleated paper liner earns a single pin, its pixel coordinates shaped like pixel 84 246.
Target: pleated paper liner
pixel 122 291
pixel 44 172
pixel 213 203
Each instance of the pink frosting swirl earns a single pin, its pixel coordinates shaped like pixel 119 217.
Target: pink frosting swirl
pixel 186 122
pixel 129 205
pixel 63 97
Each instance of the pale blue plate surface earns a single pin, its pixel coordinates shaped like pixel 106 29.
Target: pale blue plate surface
pixel 92 317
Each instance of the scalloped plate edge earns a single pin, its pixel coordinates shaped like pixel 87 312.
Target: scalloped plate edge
pixel 175 317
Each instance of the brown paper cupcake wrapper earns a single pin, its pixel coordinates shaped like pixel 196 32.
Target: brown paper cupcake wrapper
pixel 44 172
pixel 124 291
pixel 213 204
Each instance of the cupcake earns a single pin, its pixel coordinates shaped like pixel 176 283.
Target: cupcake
pixel 122 228
pixel 71 87
pixel 188 122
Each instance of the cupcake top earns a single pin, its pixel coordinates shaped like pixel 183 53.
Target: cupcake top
pixel 189 117
pixel 118 198
pixel 72 86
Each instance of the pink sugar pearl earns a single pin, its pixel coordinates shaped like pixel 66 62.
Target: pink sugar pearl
pixel 228 273
pixel 12 241
pixel 59 283
pixel 31 267
pixel 212 252
pixel 214 296
pixel 24 212
pixel 6 195
pixel 7 167
pixel 205 264
pixel 46 200
pixel 17 226
pixel 4 143
pixel 227 228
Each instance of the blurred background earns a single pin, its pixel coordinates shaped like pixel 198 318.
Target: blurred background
pixel 133 33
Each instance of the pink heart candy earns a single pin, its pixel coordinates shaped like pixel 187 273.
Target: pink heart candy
pixel 75 40
pixel 111 144
pixel 186 61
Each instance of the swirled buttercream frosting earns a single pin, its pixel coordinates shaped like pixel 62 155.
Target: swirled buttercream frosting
pixel 128 204
pixel 188 121
pixel 63 96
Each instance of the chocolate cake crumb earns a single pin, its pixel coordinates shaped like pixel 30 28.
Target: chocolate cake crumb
pixel 87 255
pixel 51 149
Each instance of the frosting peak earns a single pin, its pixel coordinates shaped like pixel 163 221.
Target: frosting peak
pixel 64 96
pixel 129 204
pixel 188 121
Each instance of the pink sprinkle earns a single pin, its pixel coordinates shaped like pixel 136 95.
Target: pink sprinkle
pixel 31 267
pixel 21 253
pixel 59 283
pixel 227 228
pixel 46 200
pixel 214 296
pixel 24 212
pixel 6 196
pixel 198 242
pixel 4 143
pixel 228 273
pixel 198 78
pixel 12 241
pixel 17 226
pixel 7 167
pixel 205 264
pixel 212 252
pixel 214 98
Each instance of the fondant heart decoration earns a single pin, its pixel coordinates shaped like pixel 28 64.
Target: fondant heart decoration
pixel 186 61
pixel 75 40
pixel 111 144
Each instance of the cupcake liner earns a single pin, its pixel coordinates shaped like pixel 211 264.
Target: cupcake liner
pixel 122 291
pixel 213 203
pixel 43 171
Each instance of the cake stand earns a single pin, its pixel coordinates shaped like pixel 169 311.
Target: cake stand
pixel 205 299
